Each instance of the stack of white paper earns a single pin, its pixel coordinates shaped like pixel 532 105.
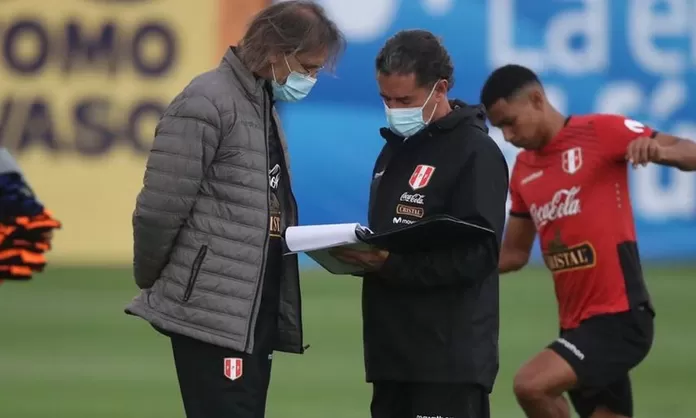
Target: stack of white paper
pixel 317 241
pixel 318 237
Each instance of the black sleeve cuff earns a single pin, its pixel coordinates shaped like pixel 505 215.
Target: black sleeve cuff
pixel 654 134
pixel 390 267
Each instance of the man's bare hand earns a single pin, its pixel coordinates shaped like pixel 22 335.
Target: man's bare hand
pixel 646 150
pixel 369 260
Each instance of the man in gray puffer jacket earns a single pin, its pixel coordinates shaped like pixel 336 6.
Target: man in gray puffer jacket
pixel 208 252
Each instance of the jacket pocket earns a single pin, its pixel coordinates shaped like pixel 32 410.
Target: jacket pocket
pixel 195 269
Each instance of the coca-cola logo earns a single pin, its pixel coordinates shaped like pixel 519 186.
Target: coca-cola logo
pixel 564 203
pixel 418 199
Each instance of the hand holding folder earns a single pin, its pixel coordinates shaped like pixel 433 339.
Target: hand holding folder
pixel 319 241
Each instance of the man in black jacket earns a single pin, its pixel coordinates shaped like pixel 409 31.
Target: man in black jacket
pixel 430 319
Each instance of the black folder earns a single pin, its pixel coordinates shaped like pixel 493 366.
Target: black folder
pixel 439 231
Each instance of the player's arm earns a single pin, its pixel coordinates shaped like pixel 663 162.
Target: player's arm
pixel 665 150
pixel 517 243
pixel 625 139
pixel 479 198
pixel 184 147
pixel 520 230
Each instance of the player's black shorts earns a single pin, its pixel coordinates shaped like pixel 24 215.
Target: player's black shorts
pixel 602 351
pixel 428 400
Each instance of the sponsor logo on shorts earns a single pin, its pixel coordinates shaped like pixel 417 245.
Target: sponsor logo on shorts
pixel 571 347
pixel 560 257
pixel 410 211
pixel 433 416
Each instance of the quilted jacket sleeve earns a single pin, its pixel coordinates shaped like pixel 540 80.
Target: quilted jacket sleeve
pixel 186 139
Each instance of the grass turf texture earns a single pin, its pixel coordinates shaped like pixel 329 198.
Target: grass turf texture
pixel 67 350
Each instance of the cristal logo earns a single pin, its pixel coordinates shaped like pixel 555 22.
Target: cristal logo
pixel 416 198
pixel 563 204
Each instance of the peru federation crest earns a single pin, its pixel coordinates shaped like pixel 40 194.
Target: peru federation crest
pixel 572 160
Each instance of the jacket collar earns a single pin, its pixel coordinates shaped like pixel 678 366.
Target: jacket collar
pixel 252 85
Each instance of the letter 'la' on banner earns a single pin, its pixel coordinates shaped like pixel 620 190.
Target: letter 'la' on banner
pixel 84 85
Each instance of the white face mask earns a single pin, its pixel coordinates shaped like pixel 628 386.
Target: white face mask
pixel 296 87
pixel 408 121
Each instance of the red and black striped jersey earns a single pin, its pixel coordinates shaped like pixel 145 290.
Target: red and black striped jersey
pixel 576 191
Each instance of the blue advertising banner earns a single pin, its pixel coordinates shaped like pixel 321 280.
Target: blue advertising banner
pixel 634 57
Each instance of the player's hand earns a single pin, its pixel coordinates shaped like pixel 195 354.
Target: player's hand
pixel 645 150
pixel 369 260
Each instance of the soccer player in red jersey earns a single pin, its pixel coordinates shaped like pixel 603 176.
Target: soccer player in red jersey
pixel 570 185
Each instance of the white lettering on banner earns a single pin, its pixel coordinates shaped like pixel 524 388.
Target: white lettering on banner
pixel 628 97
pixel 621 97
pixel 563 204
pixel 591 23
pixel 645 27
pixel 418 199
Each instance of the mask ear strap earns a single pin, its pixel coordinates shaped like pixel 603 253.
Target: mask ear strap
pixel 273 72
pixel 287 64
pixel 428 99
pixel 430 96
pixel 432 113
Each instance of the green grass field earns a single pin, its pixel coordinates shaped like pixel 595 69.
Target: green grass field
pixel 68 351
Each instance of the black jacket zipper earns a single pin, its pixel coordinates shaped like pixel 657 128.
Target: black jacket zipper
pixel 295 221
pixel 195 269
pixel 259 281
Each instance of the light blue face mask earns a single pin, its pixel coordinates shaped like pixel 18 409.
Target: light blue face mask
pixel 408 121
pixel 296 87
